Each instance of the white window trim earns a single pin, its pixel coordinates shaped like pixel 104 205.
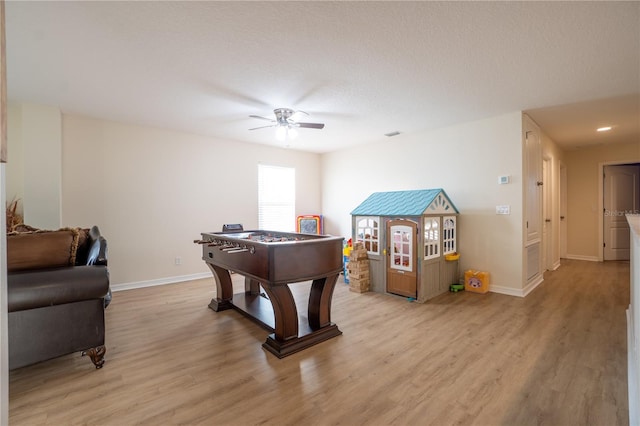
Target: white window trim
pixel 404 229
pixel 449 235
pixel 370 240
pixel 431 242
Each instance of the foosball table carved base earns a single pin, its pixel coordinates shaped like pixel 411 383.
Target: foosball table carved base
pixel 272 262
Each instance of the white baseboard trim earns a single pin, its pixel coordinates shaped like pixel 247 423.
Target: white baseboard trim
pixel 581 257
pixel 509 291
pixel 556 265
pixel 159 281
pixel 532 285
pixel 518 292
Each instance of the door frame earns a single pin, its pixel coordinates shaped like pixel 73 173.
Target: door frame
pixel 563 211
pixel 601 200
pixel 547 214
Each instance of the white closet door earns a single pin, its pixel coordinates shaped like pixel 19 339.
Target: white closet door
pixel 621 196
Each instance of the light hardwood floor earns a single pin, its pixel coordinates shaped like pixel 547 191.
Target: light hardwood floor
pixel 556 357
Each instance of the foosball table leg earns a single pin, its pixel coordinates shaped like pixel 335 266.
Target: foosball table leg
pixel 224 289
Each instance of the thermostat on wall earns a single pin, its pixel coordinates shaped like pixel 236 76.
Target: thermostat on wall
pixel 503 179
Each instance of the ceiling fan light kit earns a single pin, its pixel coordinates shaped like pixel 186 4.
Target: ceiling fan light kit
pixel 286 124
pixel 284 132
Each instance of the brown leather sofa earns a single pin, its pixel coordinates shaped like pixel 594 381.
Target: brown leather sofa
pixel 58 289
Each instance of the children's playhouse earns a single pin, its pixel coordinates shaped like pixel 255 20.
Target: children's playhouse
pixel 411 241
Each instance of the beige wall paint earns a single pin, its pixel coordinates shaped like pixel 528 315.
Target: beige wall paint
pixel 148 188
pixel 152 191
pixel 15 168
pixel 34 172
pixel 466 161
pixel 583 206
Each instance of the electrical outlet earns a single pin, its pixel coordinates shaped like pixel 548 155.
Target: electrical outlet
pixel 503 209
pixel 178 261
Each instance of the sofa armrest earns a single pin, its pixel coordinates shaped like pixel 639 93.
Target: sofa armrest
pixel 47 287
pixel 98 252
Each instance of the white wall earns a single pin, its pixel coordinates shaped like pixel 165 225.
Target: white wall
pixel 34 172
pixel 152 192
pixel 633 323
pixel 465 160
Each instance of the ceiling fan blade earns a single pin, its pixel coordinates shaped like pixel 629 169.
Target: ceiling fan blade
pixel 263 118
pixel 311 125
pixel 297 115
pixel 264 127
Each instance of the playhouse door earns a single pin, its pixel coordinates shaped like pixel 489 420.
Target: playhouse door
pixel 401 260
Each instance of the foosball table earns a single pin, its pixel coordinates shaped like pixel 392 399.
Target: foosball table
pixel 272 261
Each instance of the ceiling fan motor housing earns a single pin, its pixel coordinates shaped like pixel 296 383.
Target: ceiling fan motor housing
pixel 284 119
pixel 283 115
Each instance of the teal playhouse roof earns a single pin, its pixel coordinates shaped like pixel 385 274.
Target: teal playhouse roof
pixel 406 203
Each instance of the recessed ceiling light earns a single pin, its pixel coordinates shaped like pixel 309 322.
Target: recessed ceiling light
pixel 604 129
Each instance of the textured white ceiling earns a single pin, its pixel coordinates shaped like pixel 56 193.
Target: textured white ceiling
pixel 362 68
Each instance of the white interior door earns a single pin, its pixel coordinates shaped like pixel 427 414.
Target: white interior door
pixel 621 196
pixel 547 247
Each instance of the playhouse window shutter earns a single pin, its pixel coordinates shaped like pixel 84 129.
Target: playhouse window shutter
pixel 276 198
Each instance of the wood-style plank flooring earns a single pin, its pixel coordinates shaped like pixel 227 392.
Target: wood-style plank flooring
pixel 556 357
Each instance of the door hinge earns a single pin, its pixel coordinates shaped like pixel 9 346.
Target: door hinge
pixel 604 244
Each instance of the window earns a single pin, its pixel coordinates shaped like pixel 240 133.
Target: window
pixel 276 198
pixel 402 247
pixel 431 237
pixel 367 232
pixel 449 235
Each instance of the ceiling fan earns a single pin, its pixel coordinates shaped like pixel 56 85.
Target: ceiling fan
pixel 285 123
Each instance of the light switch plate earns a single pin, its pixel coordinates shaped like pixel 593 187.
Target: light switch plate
pixel 502 180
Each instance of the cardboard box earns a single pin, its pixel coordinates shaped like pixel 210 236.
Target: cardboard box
pixel 476 281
